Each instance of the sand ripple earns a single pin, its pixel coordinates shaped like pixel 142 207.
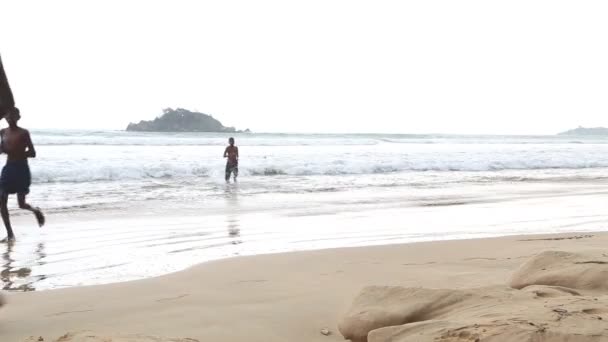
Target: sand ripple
pixel 93 337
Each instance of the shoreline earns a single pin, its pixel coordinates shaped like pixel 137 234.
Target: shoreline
pixel 82 249
pixel 272 297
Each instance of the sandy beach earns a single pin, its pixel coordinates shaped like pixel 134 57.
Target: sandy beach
pixel 295 296
pixel 391 171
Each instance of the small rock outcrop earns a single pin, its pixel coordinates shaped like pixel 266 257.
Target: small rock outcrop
pixel 181 120
pixel 582 131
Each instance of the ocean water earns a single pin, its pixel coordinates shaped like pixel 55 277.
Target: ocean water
pixel 125 206
pixel 99 170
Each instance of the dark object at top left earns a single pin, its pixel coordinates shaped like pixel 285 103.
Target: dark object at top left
pixel 6 95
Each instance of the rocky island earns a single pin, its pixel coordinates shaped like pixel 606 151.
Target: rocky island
pixel 586 131
pixel 182 120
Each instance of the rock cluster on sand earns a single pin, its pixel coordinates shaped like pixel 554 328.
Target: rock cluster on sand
pixel 553 297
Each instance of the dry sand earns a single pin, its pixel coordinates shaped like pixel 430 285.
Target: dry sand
pixel 438 291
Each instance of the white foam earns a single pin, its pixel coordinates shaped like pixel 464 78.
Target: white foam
pixel 85 163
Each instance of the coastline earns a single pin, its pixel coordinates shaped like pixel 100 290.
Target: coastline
pixel 276 297
pixel 154 238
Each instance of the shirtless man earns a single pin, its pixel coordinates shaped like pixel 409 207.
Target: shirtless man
pixel 232 165
pixel 16 177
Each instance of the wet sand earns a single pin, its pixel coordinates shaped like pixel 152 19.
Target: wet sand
pixel 107 246
pixel 284 297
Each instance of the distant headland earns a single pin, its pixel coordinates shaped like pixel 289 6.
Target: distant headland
pixel 586 131
pixel 182 120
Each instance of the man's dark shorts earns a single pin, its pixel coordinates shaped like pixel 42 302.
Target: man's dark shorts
pixel 16 177
pixel 232 168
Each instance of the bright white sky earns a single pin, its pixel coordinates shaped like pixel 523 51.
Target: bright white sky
pixel 498 67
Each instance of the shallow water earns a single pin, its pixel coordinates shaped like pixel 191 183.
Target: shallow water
pixel 124 244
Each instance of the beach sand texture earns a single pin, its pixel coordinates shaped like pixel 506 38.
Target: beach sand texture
pixel 554 296
pixel 533 288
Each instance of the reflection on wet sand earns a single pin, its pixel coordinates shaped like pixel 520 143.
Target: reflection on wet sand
pixel 232 214
pixel 17 278
pixel 116 245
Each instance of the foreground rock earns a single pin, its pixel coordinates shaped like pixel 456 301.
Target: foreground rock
pixel 578 271
pixel 557 297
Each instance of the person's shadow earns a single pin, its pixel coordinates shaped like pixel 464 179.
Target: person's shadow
pixel 233 224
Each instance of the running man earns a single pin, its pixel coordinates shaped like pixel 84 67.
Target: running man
pixel 232 165
pixel 16 177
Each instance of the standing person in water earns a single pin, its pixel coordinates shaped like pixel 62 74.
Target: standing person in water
pixel 16 177
pixel 232 165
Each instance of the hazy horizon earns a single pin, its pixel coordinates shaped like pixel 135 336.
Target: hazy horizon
pixel 307 132
pixel 468 67
pixel 241 131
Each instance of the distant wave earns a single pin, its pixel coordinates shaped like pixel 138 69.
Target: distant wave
pixel 118 172
pixel 76 157
pixel 302 142
pixel 119 138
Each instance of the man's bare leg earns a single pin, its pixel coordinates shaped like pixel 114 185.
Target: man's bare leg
pixel 37 212
pixel 10 236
